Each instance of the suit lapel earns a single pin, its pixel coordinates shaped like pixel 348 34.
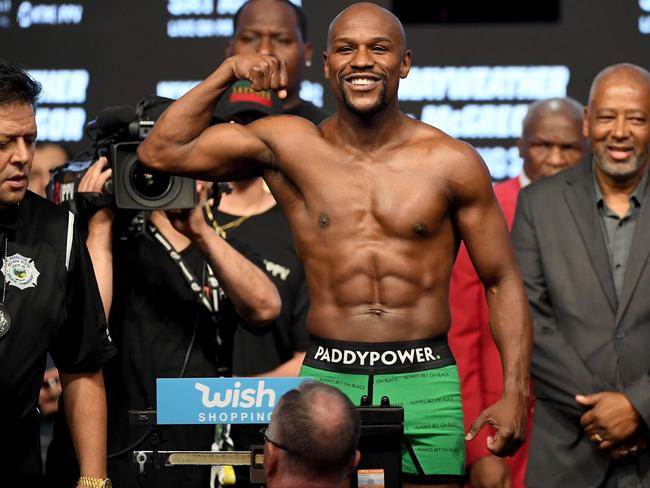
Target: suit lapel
pixel 581 199
pixel 638 257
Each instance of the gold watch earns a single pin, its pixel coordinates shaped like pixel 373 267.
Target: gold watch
pixel 91 482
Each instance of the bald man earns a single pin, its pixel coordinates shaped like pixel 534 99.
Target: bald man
pixel 583 240
pixel 551 141
pixel 312 439
pixel 378 204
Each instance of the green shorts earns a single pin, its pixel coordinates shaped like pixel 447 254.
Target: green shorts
pixel 422 377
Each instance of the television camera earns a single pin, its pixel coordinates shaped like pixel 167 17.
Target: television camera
pixel 116 133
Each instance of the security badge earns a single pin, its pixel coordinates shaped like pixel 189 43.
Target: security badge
pixel 20 271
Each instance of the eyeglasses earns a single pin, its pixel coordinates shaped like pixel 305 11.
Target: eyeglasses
pixel 279 446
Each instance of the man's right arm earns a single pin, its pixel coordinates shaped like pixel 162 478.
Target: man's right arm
pixel 181 141
pixel 558 371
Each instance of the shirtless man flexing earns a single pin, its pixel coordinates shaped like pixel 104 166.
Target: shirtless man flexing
pixel 378 203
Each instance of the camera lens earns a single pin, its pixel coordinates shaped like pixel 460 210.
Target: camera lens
pixel 149 184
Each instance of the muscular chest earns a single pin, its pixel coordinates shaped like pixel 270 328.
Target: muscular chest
pixel 399 198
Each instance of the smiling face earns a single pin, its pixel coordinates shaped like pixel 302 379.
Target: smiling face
pixel 17 137
pixel 366 56
pixel 617 123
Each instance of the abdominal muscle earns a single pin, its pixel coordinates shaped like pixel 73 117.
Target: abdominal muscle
pixel 375 300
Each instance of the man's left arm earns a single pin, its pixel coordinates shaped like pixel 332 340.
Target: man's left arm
pixel 485 233
pixel 85 410
pixel 80 349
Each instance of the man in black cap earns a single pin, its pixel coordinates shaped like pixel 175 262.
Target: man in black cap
pixel 278 28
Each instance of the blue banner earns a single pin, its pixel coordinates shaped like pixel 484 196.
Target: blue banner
pixel 220 400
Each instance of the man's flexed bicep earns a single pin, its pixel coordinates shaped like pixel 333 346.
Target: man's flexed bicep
pixel 182 143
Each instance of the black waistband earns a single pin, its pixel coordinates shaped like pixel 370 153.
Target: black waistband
pixel 378 357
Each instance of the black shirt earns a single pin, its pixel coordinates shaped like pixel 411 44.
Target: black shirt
pixel 54 302
pixel 260 349
pixel 153 320
pixel 619 231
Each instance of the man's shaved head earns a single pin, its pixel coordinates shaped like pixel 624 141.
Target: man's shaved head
pixel 567 107
pixel 365 59
pixel 622 71
pixel 359 12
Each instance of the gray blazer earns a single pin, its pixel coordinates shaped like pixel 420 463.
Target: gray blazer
pixel 582 332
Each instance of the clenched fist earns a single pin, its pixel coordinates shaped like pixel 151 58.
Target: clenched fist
pixel 265 72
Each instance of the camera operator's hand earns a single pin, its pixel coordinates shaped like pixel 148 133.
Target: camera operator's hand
pixel 263 71
pixel 191 222
pixel 93 181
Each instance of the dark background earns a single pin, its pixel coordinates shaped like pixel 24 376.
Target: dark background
pixel 124 45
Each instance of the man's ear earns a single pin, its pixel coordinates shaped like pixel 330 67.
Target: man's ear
pixel 407 59
pixel 270 460
pixel 355 462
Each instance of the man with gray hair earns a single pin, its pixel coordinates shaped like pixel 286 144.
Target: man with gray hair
pixel 312 439
pixel 551 141
pixel 583 239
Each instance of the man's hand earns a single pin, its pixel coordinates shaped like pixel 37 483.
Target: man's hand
pixel 191 222
pixel 489 472
pixel 95 177
pixel 611 418
pixel 508 417
pixel 93 181
pixel 263 71
pixel 48 397
pixel 631 447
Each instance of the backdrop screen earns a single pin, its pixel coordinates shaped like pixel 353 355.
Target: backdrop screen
pixel 472 79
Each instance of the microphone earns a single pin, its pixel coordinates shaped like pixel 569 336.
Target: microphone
pixel 112 119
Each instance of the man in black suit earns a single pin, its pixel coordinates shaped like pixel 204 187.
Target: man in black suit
pixel 583 242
